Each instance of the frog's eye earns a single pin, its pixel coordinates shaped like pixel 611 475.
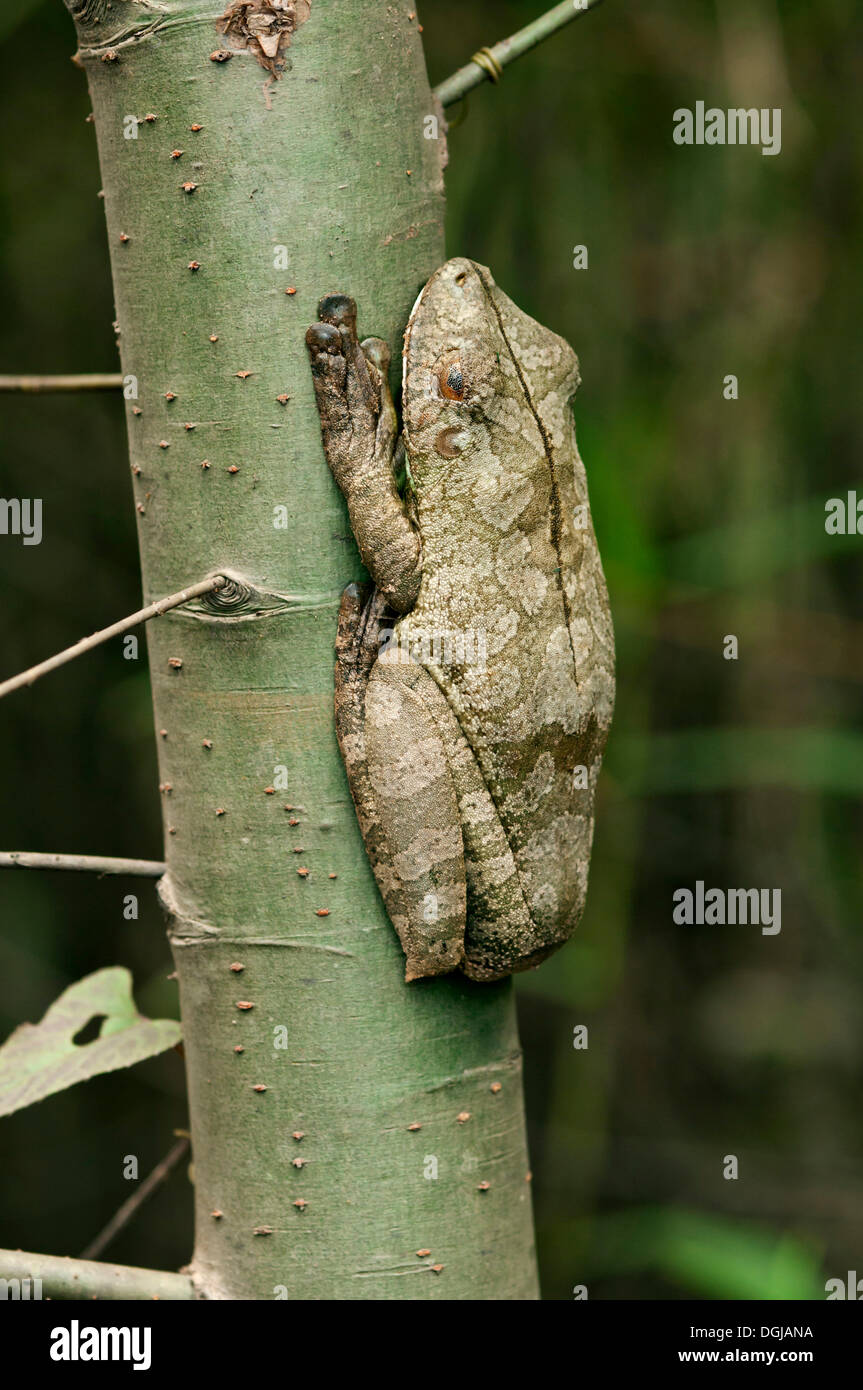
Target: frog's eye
pixel 452 382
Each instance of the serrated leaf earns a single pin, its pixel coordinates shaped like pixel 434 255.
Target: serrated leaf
pixel 39 1059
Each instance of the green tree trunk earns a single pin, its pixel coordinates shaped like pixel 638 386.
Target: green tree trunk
pixel 331 1143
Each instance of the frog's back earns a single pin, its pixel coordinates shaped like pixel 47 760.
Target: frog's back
pixel 537 728
pixel 518 582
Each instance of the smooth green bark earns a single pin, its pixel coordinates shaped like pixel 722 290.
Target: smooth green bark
pixel 330 162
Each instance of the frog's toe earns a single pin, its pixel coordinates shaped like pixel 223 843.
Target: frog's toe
pixel 353 602
pixel 339 310
pixel 375 350
pixel 323 337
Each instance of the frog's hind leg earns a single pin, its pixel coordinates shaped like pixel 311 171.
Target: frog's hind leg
pixel 392 734
pixel 363 624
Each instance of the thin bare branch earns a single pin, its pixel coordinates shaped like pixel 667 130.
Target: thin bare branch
pixel 88 863
pixel 81 381
pixel 488 63
pixel 153 610
pixel 132 1205
pixel 61 1278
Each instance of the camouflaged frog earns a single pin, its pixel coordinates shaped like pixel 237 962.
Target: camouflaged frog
pixel 474 684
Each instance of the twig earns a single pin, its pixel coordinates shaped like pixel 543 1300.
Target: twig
pixel 59 1277
pixel 154 610
pixel 68 381
pixel 490 62
pixel 124 1215
pixel 92 863
pixel 89 381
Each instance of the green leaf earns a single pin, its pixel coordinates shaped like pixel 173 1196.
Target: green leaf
pixel 706 1254
pixel 720 1258
pixel 39 1059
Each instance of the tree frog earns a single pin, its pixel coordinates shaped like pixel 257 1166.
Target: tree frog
pixel 475 681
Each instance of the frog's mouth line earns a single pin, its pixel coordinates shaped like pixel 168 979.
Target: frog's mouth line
pixel 407 337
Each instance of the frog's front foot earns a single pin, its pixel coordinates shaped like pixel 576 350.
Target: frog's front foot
pixel 358 428
pixel 350 389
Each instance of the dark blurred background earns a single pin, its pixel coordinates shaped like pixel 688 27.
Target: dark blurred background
pixel 704 1042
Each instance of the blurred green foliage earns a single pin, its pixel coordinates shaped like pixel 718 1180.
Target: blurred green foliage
pixel 703 261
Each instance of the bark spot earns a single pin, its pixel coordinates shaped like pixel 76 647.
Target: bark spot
pixel 265 28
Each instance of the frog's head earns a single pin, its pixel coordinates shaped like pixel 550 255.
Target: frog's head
pixel 484 385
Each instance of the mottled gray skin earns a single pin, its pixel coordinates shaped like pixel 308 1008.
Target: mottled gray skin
pixel 473 770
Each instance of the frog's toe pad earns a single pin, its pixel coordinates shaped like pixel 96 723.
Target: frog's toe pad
pixel 376 351
pixel 324 338
pixel 340 311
